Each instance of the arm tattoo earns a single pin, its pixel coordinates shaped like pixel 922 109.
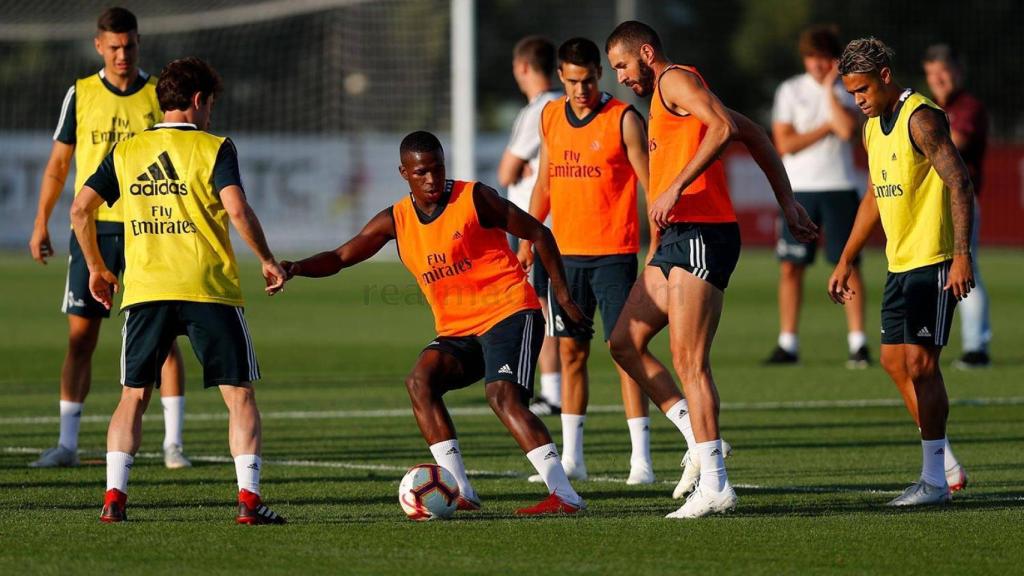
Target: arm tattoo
pixel 930 133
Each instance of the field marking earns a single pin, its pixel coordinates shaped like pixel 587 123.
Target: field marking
pixel 486 411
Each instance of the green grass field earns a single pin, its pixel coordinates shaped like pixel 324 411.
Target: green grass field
pixel 819 449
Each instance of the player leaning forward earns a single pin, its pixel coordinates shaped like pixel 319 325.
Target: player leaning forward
pixel 684 285
pixel 451 236
pixel 178 186
pixel 921 191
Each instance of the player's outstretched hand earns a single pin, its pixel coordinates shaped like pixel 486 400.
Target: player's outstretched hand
pixel 103 285
pixel 39 245
pixel 961 277
pixel 275 277
pixel 525 255
pixel 839 290
pixel 800 224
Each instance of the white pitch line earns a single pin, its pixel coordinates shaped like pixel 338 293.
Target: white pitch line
pixel 485 411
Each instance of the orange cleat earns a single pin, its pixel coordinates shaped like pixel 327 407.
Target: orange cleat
pixel 114 502
pixel 551 505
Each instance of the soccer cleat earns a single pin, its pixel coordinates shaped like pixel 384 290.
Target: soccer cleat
pixel 542 407
pixel 704 502
pixel 691 472
pixel 640 474
pixel 972 360
pixel 956 477
pixel 252 510
pixel 468 504
pixel 780 357
pixel 56 457
pixel 921 493
pixel 114 507
pixel 572 471
pixel 859 360
pixel 552 505
pixel 174 458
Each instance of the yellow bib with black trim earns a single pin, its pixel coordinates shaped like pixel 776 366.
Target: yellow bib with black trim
pixel 104 119
pixel 913 201
pixel 176 240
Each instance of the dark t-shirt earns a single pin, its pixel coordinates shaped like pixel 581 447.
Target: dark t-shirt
pixel 968 117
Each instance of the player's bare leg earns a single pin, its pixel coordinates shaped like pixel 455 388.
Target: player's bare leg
pixel 245 439
pixel 791 296
pixel 124 435
pixel 894 361
pixel 854 308
pixel 641 469
pixel 695 308
pixel 574 355
pixel 549 401
pixel 172 398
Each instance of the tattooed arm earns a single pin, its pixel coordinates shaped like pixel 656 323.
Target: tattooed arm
pixel 930 133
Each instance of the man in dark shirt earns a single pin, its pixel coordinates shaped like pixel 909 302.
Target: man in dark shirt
pixel 968 123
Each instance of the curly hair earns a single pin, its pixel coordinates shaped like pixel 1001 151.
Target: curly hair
pixel 865 56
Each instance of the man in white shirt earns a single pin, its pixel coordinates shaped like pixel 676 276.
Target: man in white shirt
pixel 813 121
pixel 533 63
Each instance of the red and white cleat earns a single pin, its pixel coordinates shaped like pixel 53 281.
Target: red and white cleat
pixel 956 477
pixel 552 505
pixel 114 507
pixel 468 505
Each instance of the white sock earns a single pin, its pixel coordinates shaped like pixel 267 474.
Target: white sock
pixel 448 455
pixel 789 342
pixel 712 465
pixel 174 419
pixel 934 456
pixel 551 388
pixel 679 414
pixel 640 437
pixel 950 460
pixel 856 341
pixel 70 419
pixel 545 459
pixel 119 464
pixel 572 437
pixel 247 468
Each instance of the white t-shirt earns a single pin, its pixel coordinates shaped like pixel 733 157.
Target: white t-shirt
pixel 828 163
pixel 525 145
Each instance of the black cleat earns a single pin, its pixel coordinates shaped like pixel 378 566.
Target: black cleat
pixel 252 510
pixel 859 360
pixel 972 360
pixel 542 407
pixel 780 357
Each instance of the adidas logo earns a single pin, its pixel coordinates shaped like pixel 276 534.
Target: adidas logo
pixel 161 178
pixel 647 428
pixel 551 454
pixel 682 414
pixel 457 235
pixel 924 333
pixel 893 156
pixel 505 370
pixel 716 452
pixel 940 452
pixel 254 466
pixel 452 450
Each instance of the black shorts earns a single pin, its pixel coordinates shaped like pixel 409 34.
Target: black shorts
pixel 78 299
pixel 915 308
pixel 605 285
pixel 218 333
pixel 508 351
pixel 708 251
pixel 833 210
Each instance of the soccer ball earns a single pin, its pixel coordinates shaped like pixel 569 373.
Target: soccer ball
pixel 428 492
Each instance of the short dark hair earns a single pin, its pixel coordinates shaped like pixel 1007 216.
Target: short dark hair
pixel 579 51
pixel 182 78
pixel 419 142
pixel 865 56
pixel 538 52
pixel 943 53
pixel 821 40
pixel 117 20
pixel 633 34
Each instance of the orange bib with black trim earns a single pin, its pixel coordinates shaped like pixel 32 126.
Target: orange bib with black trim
pixel 592 183
pixel 468 273
pixel 673 141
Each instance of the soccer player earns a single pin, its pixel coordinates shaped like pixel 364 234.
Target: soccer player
pixel 921 191
pixel 968 126
pixel 593 153
pixel 533 63
pixel 179 186
pixel 813 121
pixel 98 112
pixel 683 286
pixel 451 237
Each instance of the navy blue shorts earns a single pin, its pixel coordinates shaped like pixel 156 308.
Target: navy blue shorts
pixel 915 308
pixel 708 251
pixel 78 299
pixel 603 287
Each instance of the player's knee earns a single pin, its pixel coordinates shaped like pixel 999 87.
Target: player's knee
pixel 921 365
pixel 621 346
pixel 418 384
pixel 792 270
pixel 82 343
pixel 690 365
pixel 504 396
pixel 893 364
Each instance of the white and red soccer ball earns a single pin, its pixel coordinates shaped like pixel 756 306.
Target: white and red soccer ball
pixel 428 492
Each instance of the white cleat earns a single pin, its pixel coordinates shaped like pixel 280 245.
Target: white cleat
pixel 640 474
pixel 691 472
pixel 572 471
pixel 56 457
pixel 174 458
pixel 704 502
pixel 922 493
pixel 956 477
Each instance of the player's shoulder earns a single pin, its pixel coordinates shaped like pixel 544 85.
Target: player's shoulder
pixel 794 84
